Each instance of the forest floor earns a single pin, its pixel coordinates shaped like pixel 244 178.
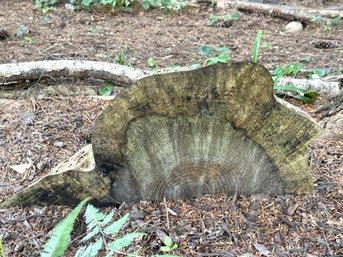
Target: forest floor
pixel 43 131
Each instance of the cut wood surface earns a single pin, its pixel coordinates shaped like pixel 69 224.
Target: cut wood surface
pixel 288 12
pixel 216 129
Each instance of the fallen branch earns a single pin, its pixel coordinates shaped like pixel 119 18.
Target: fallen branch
pixel 118 74
pixel 317 85
pixel 287 12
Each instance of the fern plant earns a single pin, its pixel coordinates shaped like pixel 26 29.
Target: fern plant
pixel 60 238
pixel 99 231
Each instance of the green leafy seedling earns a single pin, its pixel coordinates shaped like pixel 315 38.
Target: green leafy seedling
pixel 106 89
pixel 213 20
pixel 219 58
pixel 169 245
pixel 206 50
pixel 152 63
pixel 21 31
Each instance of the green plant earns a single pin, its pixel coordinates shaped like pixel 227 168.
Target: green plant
pixel 22 30
pixel 291 69
pixel 123 57
pixel 174 5
pixel 329 24
pixel 305 96
pixel 106 89
pixel 111 3
pixel 169 245
pixel 257 45
pixel 219 58
pixel 99 228
pixel 221 54
pixel 216 19
pixel 60 238
pixel 2 251
pixel 45 5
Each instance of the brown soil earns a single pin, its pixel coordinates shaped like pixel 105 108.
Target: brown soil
pixel 45 131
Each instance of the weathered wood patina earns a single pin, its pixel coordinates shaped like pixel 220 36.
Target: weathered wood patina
pixel 217 129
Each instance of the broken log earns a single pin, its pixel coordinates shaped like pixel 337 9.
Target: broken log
pixel 217 129
pixel 118 74
pixel 288 12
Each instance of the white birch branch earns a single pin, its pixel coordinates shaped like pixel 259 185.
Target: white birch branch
pixel 317 85
pixel 118 74
pixel 287 12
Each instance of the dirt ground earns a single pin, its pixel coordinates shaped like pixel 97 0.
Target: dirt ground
pixel 44 131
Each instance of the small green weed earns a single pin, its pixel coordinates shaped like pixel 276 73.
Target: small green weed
pixel 291 69
pixel 22 30
pixel 257 45
pixel 123 57
pixel 45 5
pixel 216 19
pixel 215 55
pixel 328 26
pixel 174 5
pixel 152 63
pixel 219 58
pixel 169 245
pixel 305 96
pixel 114 4
pixel 106 89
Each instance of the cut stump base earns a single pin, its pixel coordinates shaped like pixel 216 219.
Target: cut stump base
pixel 217 129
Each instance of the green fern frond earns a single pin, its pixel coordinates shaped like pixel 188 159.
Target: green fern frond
pixel 90 250
pixel 60 238
pixel 116 226
pixel 123 241
pixel 93 218
pixel 107 219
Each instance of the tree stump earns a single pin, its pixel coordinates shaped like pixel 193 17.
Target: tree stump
pixel 217 129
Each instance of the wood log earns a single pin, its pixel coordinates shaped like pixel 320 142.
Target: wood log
pixel 288 12
pixel 216 129
pixel 118 74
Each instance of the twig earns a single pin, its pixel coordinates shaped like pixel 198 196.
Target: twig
pixel 167 215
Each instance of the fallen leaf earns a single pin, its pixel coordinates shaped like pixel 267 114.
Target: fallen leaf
pixel 21 168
